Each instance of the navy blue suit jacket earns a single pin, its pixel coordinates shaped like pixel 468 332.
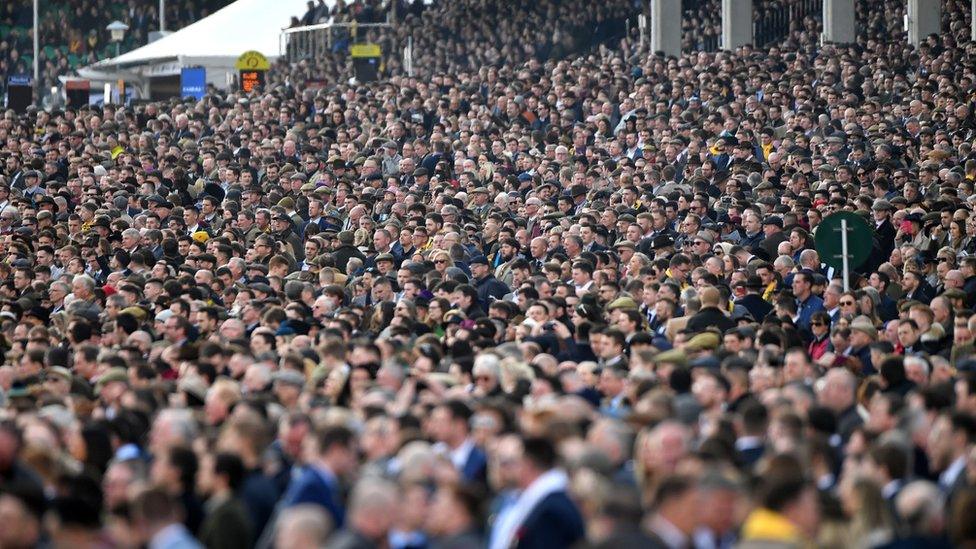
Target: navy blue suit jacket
pixel 476 468
pixel 555 522
pixel 311 487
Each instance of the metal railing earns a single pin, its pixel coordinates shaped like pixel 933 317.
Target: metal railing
pixel 772 21
pixel 315 41
pixel 772 24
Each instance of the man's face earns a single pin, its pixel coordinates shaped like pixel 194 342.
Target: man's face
pixel 800 286
pixel 381 292
pixel 907 335
pixel 479 270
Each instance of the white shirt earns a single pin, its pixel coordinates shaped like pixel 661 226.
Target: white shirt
pixel 952 472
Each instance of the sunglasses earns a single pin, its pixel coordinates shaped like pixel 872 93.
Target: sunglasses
pixel 817 324
pixel 846 303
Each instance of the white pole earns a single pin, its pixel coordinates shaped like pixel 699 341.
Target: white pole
pixel 107 94
pixel 843 253
pixel 37 52
pixel 162 16
pixel 410 56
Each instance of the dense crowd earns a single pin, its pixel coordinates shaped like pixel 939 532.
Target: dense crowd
pixel 525 301
pixel 465 35
pixel 72 32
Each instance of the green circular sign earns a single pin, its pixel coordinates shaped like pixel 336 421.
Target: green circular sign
pixel 860 240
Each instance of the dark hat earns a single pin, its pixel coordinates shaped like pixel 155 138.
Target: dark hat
pixel 662 241
pixel 882 205
pixel 384 257
pixel 577 190
pixel 753 281
pixel 773 220
pixel 261 287
pixel 931 217
pixel 214 190
pixel 420 172
pixel 102 221
pixel 478 259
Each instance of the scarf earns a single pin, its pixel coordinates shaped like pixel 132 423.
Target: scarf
pixel 509 522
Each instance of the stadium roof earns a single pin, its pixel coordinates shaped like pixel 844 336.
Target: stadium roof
pixel 227 33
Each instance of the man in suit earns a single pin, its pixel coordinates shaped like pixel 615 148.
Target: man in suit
pixel 883 228
pixel 155 517
pixel 775 235
pixel 676 515
pixel 543 515
pixel 752 301
pixel 228 523
pixel 960 436
pixel 711 314
pixel 451 421
pixel 329 457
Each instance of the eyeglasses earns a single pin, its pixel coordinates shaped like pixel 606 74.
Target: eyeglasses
pixel 846 303
pixel 440 261
pixel 700 242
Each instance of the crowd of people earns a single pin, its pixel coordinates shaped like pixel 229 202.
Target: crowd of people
pixel 527 300
pixel 464 35
pixel 72 32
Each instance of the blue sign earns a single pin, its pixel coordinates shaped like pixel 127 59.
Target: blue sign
pixel 20 80
pixel 193 83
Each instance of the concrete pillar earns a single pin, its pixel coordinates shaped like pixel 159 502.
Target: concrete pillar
pixel 838 19
pixel 736 23
pixel 924 18
pixel 666 26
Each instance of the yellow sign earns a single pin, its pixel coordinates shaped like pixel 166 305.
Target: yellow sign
pixel 252 61
pixel 364 50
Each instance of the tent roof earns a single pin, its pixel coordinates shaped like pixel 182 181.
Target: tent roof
pixel 241 26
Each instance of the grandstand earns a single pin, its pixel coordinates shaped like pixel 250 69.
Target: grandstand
pixel 72 32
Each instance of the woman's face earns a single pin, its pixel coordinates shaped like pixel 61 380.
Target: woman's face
pixel 333 383
pixel 441 264
pixel 434 312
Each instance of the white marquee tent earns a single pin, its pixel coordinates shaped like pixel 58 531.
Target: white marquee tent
pixel 214 43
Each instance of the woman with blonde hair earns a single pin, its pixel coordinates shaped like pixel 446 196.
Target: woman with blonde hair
pixel 441 260
pixel 637 262
pixel 871 523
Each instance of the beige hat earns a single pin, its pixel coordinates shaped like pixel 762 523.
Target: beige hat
pixel 864 325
